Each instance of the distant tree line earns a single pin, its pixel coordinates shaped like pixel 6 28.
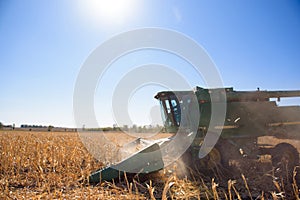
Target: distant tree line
pixel 134 128
pixel 2 126
pixel 49 128
pixel 32 126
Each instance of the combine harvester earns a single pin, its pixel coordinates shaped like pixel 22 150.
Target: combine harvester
pixel 249 115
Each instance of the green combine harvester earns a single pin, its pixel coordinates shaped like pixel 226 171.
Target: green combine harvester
pixel 248 116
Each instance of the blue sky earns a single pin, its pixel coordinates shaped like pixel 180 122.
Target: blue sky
pixel 44 44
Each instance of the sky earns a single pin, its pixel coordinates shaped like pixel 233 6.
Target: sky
pixel 45 43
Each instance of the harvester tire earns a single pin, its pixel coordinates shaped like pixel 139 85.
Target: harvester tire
pixel 228 152
pixel 221 155
pixel 212 160
pixel 285 157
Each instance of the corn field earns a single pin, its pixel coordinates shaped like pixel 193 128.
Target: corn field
pixel 55 165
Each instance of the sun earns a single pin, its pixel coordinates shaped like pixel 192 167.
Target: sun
pixel 108 12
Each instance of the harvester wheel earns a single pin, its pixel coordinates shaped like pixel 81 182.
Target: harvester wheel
pixel 212 163
pixel 285 157
pixel 228 152
pixel 214 158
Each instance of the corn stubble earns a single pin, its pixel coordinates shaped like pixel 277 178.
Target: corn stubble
pixel 55 165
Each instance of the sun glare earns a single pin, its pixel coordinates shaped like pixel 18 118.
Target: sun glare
pixel 108 12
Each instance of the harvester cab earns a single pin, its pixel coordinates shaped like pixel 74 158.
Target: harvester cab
pixel 171 106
